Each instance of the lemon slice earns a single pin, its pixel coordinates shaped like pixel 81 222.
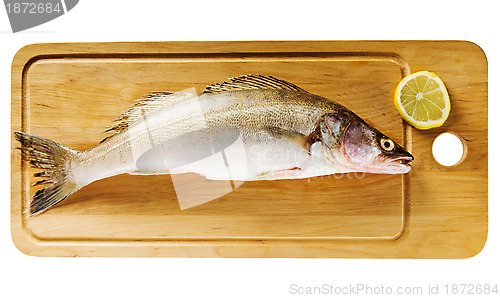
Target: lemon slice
pixel 422 100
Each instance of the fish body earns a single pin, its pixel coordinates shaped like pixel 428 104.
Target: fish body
pixel 268 128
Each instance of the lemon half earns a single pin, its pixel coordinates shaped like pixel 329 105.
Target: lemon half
pixel 422 100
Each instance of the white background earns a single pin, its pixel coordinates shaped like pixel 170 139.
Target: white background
pixel 92 20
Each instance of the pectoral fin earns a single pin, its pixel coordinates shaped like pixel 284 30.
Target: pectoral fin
pixel 293 137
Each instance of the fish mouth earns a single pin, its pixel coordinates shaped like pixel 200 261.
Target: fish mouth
pixel 404 160
pixel 402 164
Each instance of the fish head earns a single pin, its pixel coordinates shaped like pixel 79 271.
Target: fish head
pixel 355 145
pixel 366 149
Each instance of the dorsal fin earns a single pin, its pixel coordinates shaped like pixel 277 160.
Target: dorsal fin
pixel 252 81
pixel 142 106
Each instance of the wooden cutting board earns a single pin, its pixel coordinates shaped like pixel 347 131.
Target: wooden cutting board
pixel 71 92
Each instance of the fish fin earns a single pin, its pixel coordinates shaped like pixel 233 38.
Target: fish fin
pixel 53 159
pixel 291 173
pixel 252 81
pixel 143 106
pixel 290 136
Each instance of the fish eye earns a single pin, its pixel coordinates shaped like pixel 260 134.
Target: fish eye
pixel 387 144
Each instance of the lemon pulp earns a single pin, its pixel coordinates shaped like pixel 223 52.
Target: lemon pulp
pixel 422 100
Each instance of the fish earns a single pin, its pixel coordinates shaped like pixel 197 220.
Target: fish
pixel 279 130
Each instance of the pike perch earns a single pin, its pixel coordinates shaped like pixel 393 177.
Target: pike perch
pixel 284 132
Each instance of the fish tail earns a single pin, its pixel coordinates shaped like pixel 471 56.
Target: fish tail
pixel 54 161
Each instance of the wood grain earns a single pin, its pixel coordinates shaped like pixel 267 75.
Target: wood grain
pixel 70 92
